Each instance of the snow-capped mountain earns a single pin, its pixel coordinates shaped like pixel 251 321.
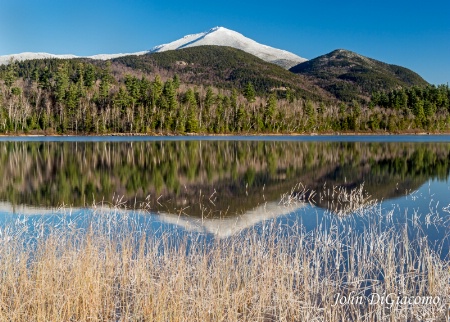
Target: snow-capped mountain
pixel 227 227
pixel 220 36
pixel 28 56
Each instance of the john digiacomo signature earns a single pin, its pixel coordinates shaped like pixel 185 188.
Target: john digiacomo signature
pixel 389 300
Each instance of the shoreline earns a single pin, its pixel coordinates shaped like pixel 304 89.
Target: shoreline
pixel 168 134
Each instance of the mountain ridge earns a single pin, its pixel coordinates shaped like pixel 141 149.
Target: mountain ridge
pixel 220 36
pixel 225 67
pixel 349 75
pixel 5 59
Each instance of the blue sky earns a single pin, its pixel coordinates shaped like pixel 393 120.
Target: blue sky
pixel 408 33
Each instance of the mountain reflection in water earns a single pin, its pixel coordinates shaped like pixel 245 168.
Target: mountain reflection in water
pixel 210 179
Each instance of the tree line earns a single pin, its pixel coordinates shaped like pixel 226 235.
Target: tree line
pixel 80 97
pixel 428 106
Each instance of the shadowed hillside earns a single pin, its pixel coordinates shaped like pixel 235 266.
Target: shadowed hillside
pixel 224 67
pixel 348 75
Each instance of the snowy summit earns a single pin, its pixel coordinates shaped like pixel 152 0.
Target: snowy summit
pixel 220 36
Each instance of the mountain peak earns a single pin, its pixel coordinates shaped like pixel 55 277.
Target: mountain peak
pixel 217 36
pixel 349 75
pixel 221 36
pixel 344 53
pixel 216 28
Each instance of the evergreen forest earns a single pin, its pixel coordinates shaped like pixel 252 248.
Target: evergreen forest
pixel 91 97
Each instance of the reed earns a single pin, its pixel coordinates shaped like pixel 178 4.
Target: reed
pixel 111 266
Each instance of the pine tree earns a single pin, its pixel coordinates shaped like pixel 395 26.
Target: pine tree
pixel 191 121
pixel 209 98
pixel 249 93
pixel 80 81
pixel 180 121
pixel 208 103
pixel 240 117
pixel 289 96
pixel 105 84
pixel 62 83
pixel 234 107
pixel 227 114
pixel 11 74
pixel 61 88
pixel 310 113
pixel 123 103
pixel 44 79
pixel 417 109
pixel 132 86
pixel 72 101
pixel 157 88
pixel 170 95
pixel 269 111
pixel 176 82
pixel 89 76
pixel 219 120
pixel 429 108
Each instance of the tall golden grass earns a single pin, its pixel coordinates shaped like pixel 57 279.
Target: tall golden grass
pixel 114 269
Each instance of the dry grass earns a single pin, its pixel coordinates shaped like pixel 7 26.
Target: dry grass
pixel 115 269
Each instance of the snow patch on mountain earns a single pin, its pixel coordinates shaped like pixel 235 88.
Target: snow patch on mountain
pixel 220 36
pixel 29 56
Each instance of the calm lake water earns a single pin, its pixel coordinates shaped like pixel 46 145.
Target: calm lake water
pixel 221 185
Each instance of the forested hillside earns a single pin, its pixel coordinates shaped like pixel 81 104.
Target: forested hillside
pixel 349 76
pixel 188 91
pixel 224 67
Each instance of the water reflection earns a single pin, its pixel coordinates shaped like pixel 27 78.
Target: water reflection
pixel 210 179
